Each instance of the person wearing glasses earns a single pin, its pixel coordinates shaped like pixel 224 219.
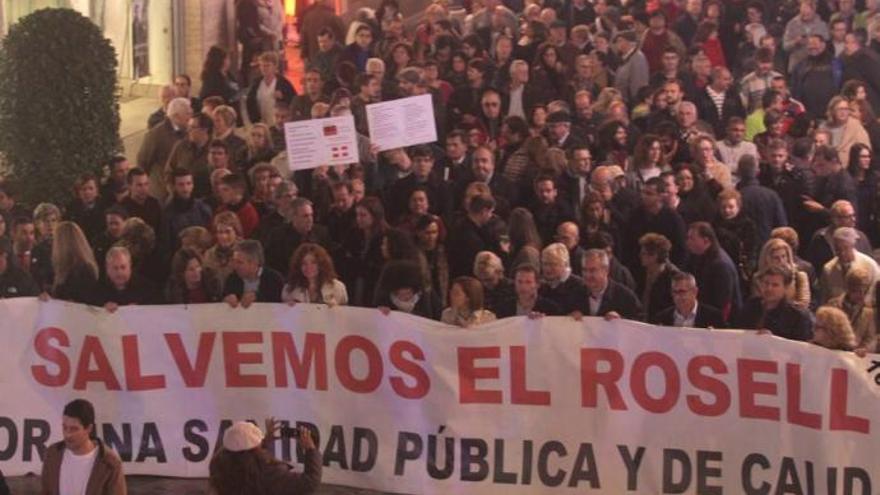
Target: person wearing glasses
pixel 819 250
pixel 686 310
pixel 845 130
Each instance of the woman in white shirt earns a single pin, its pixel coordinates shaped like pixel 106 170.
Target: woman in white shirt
pixel 313 279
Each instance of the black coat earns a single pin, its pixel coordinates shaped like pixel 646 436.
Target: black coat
pixel 707 317
pixel 466 239
pixel 786 320
pixel 80 287
pixel 428 305
pixel 708 112
pixel 616 298
pixel 15 282
pixel 568 295
pixel 660 293
pixel 283 241
pixel 90 220
pixel 864 65
pixel 495 297
pixel 666 222
pixel 281 84
pixel 269 290
pixel 140 290
pixel 718 281
pixel 542 305
pixel 764 206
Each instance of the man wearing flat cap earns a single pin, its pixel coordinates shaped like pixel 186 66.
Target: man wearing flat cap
pixel 633 73
pixel 559 131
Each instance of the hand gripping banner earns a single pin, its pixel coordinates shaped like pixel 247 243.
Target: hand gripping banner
pixel 407 405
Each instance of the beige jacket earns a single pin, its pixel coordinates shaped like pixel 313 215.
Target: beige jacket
pixel 107 477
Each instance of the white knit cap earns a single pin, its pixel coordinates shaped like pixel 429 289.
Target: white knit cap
pixel 242 436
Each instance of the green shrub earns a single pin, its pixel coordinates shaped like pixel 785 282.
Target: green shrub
pixel 59 109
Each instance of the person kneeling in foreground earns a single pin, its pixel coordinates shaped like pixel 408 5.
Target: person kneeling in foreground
pixel 243 465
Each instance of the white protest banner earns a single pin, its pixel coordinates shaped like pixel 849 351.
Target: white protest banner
pixel 317 142
pixel 402 122
pixel 408 405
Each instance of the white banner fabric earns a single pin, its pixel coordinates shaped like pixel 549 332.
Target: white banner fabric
pixel 407 405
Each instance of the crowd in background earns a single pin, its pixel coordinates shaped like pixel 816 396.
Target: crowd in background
pixel 685 163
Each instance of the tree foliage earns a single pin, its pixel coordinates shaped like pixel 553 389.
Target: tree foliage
pixel 59 109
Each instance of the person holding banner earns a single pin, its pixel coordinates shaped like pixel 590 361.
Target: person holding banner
pixel 527 301
pixel 251 280
pixel 466 304
pixel 686 310
pixel 605 297
pixel 81 464
pixel 772 310
pixel 312 278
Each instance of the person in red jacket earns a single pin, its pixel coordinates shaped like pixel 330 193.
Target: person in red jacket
pixel 232 197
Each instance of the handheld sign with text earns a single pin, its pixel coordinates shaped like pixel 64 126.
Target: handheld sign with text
pixel 403 122
pixel 317 142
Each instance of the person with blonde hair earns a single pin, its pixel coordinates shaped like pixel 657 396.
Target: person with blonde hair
pixel 844 129
pixel 777 252
pixel 832 330
pixel 489 270
pixel 259 146
pixel 227 232
pixel 861 315
pixel 225 119
pixel 74 266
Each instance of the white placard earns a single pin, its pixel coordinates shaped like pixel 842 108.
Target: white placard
pixel 313 143
pixel 403 122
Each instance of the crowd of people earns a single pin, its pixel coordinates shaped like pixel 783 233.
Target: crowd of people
pixel 685 163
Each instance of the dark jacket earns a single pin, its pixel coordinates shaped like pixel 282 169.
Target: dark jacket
pixel 786 320
pixel 660 292
pixel 281 84
pixel 150 212
pixel 428 305
pixel 15 282
pixel 764 206
pixel 284 240
pixel 140 290
pixel 269 290
pixel 666 222
pixel 708 112
pixel 466 239
pixel 616 298
pixel 864 65
pixel 4 489
pixel 568 295
pixel 178 215
pixel 707 317
pixel 717 280
pixel 107 477
pixel 90 219
pixel 176 293
pixel 81 287
pixel 542 305
pixel 813 84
